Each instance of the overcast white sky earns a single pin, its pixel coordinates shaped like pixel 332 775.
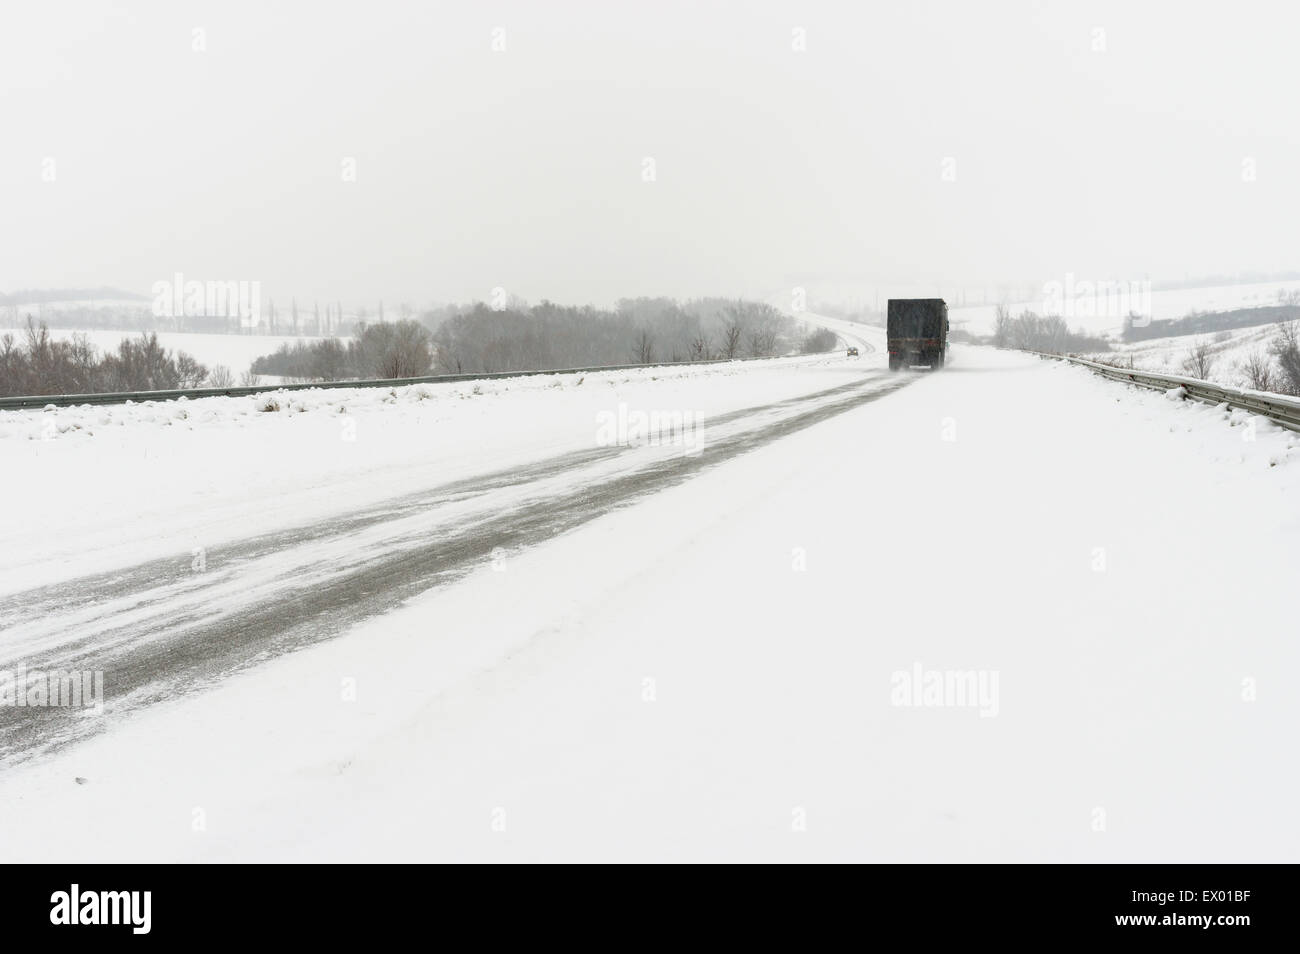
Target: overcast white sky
pixel 524 168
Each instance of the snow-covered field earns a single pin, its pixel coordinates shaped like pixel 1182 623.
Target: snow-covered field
pixel 715 672
pixel 236 352
pixel 1170 303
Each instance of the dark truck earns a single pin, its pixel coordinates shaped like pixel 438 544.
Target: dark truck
pixel 917 332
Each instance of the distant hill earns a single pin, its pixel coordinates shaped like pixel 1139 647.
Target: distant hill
pixel 1204 322
pixel 1236 278
pixel 33 296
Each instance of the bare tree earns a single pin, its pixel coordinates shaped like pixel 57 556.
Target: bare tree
pixel 643 351
pixel 1002 327
pixel 731 333
pixel 1285 346
pixel 762 342
pixel 220 377
pixel 701 350
pixel 329 360
pixel 399 349
pixel 189 373
pixel 1258 370
pixel 1200 360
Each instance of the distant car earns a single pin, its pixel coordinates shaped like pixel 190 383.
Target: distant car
pixel 853 352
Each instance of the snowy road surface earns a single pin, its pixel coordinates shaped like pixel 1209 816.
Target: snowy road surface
pixel 160 628
pixel 721 667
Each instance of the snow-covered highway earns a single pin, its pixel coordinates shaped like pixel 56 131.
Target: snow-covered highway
pixel 676 656
pixel 167 625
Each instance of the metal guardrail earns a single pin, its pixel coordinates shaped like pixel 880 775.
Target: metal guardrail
pixel 138 397
pixel 1276 407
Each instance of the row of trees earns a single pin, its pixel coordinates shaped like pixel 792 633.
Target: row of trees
pixel 467 339
pixel 1033 332
pixel 478 339
pixel 399 349
pixel 636 331
pixel 819 342
pixel 36 363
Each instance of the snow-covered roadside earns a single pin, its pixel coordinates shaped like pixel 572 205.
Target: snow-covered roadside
pixel 88 489
pixel 709 674
pixel 1167 355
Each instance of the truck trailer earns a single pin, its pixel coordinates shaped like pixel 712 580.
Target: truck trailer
pixel 917 332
